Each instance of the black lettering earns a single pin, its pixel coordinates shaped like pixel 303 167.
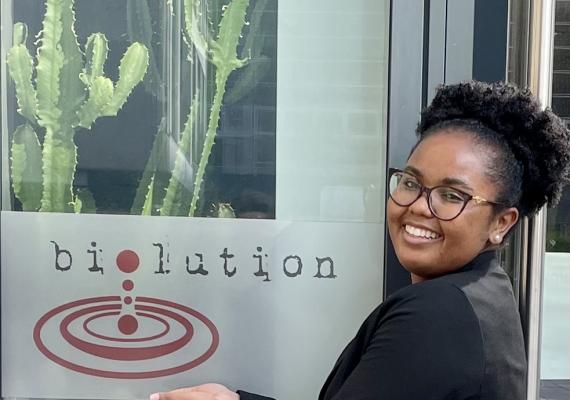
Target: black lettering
pixel 58 253
pixel 299 266
pixel 95 267
pixel 198 271
pixel 260 271
pixel 225 255
pixel 161 269
pixel 320 262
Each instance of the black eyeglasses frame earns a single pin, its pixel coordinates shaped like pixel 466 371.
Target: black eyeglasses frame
pixel 427 190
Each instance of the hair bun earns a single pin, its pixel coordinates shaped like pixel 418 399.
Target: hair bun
pixel 538 138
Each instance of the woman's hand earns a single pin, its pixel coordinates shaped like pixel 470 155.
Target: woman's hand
pixel 209 391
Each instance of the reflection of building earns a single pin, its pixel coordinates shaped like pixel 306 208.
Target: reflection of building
pixel 561 72
pixel 247 140
pixel 558 237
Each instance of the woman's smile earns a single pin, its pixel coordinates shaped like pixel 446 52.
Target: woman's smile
pixel 419 232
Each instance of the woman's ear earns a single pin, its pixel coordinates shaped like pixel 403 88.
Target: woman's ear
pixel 502 224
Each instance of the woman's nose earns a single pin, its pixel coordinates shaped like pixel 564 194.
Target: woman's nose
pixel 421 206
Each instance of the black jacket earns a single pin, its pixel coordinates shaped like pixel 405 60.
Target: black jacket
pixel 455 337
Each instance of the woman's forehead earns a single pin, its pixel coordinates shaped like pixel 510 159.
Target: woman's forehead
pixel 451 157
pixel 457 181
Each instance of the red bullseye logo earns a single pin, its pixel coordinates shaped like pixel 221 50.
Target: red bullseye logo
pixel 127 338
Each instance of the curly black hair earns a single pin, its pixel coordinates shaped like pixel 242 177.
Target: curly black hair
pixel 531 161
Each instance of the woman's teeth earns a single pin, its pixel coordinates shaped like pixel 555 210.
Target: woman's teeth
pixel 421 232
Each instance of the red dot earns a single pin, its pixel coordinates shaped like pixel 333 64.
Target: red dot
pixel 128 285
pixel 128 261
pixel 128 324
pixel 128 300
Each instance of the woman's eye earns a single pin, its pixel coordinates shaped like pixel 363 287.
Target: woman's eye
pixel 410 183
pixel 451 196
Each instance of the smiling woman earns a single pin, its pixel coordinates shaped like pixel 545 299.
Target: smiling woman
pixel 487 155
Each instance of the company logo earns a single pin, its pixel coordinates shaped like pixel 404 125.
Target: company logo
pixel 126 337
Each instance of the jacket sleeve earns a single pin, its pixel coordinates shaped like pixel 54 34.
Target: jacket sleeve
pixel 427 346
pixel 250 396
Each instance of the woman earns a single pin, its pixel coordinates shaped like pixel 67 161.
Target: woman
pixel 486 156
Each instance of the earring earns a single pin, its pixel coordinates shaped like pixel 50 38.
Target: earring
pixel 498 239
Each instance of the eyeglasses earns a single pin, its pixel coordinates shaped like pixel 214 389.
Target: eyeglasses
pixel 444 202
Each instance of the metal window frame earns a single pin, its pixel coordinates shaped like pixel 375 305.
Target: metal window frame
pixel 530 242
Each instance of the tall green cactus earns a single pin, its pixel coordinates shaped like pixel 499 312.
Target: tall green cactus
pixel 58 104
pixel 222 54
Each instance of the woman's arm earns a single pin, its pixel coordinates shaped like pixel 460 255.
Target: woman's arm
pixel 427 346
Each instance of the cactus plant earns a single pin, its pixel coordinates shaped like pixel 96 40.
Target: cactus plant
pixel 221 53
pixel 27 167
pixel 68 94
pixel 253 46
pixel 173 203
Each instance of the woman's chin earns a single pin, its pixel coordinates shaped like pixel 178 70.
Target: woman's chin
pixel 417 261
pixel 417 270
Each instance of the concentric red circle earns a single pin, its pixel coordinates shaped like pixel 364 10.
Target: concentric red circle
pixel 185 366
pixel 125 353
pixel 91 332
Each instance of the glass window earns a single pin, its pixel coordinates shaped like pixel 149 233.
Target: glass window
pixel 117 156
pixel 555 352
pixel 187 187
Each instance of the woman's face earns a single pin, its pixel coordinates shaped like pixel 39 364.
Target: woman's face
pixel 452 158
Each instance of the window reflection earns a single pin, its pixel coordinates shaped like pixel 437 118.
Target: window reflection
pixel 191 132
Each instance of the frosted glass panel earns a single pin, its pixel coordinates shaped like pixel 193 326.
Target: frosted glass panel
pixel 331 117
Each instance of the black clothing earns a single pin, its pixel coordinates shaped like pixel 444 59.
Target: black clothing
pixel 457 337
